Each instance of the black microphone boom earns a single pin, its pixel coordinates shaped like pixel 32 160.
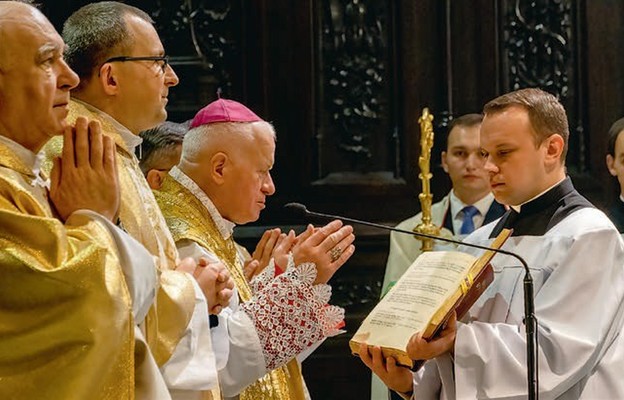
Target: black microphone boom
pixel 301 211
pixel 530 321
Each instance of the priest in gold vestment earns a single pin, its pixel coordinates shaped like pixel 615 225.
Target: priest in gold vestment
pixel 224 178
pixel 69 300
pixel 124 82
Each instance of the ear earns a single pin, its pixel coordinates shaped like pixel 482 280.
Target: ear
pixel 554 148
pixel 611 165
pixel 219 164
pixel 155 178
pixel 444 164
pixel 108 79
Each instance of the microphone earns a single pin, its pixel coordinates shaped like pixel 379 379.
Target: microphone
pixel 530 321
pixel 301 211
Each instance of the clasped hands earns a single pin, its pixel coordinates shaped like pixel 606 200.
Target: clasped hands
pixel 317 245
pixel 213 278
pixel 85 176
pixel 328 247
pixel 398 378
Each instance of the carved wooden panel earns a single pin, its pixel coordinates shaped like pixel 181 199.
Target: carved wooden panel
pixel 541 48
pixel 204 39
pixel 357 127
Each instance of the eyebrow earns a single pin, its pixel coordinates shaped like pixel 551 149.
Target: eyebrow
pixel 498 146
pixel 46 49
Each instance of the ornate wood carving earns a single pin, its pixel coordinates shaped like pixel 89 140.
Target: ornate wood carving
pixel 348 293
pixel 357 83
pixel 541 49
pixel 203 38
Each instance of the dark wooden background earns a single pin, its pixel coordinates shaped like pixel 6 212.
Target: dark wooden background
pixel 344 82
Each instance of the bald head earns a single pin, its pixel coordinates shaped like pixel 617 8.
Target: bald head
pixel 12 15
pixel 34 79
pixel 9 8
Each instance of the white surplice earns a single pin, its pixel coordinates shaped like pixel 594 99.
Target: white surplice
pixel 577 268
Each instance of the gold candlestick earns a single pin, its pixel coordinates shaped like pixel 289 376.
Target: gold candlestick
pixel 425 197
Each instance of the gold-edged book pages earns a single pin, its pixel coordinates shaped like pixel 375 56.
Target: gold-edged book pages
pixel 437 283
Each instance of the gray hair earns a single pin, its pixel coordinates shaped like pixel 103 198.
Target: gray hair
pixel 207 135
pixel 95 32
pixel 159 142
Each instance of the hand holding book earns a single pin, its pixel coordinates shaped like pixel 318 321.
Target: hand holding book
pixel 422 349
pixel 436 286
pixel 393 375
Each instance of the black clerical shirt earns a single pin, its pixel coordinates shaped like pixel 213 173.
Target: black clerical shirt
pixel 539 215
pixel 616 214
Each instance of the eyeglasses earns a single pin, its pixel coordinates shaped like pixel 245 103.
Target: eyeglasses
pixel 162 59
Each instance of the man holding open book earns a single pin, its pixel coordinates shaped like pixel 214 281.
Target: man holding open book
pixel 468 205
pixel 575 255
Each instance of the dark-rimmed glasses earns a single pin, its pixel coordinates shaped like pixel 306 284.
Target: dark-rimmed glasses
pixel 163 59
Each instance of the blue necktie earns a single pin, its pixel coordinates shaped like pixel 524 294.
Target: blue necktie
pixel 467 222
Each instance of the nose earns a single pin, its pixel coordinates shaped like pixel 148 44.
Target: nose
pixel 268 187
pixel 171 79
pixel 489 165
pixel 474 161
pixel 67 79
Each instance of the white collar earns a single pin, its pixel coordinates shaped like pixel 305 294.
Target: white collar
pixel 519 207
pixel 483 204
pixel 225 227
pixel 130 139
pixel 622 198
pixel 30 160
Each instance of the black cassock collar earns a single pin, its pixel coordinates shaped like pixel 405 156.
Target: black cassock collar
pixel 539 215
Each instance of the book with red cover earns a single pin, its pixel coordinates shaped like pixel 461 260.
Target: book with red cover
pixel 409 305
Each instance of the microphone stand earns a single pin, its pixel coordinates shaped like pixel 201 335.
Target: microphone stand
pixel 530 320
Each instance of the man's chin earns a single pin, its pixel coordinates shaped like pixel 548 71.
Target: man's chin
pixel 504 197
pixel 152 124
pixel 247 220
pixel 59 128
pixel 476 186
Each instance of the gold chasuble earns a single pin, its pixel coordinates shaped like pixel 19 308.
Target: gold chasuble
pixel 189 219
pixel 140 217
pixel 66 330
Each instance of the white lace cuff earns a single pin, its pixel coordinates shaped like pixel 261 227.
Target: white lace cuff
pixel 260 281
pixel 291 314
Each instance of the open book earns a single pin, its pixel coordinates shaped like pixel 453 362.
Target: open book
pixel 437 283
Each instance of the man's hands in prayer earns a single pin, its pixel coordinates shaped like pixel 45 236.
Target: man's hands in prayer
pixel 328 247
pixel 213 279
pixel 421 349
pixel 263 253
pixel 251 269
pixel 272 244
pixel 394 376
pixel 85 176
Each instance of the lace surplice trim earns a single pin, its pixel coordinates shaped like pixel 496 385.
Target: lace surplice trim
pixel 291 314
pixel 269 273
